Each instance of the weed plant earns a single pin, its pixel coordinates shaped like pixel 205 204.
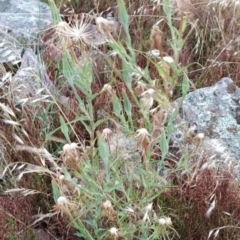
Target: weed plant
pixel 106 152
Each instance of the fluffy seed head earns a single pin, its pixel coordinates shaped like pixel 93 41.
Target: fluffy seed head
pixel 107 205
pixel 147 99
pixel 107 88
pixel 113 231
pixel 79 32
pixel 165 221
pixel 62 201
pixel 142 133
pixel 106 133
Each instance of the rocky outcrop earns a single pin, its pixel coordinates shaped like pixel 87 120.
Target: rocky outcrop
pixel 215 112
pixel 22 20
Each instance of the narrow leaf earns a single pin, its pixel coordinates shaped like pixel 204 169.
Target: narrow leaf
pixel 104 154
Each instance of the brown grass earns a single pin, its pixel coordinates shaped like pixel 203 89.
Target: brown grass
pixel 216 55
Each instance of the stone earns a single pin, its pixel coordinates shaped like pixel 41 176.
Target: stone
pixel 215 112
pixel 31 77
pixel 22 20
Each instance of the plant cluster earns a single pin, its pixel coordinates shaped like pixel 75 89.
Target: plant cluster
pixel 104 156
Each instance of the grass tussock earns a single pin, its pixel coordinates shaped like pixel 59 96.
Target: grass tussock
pixel 97 162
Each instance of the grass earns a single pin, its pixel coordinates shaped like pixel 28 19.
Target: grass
pixel 95 161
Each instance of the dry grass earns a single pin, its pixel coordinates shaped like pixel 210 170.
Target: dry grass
pixel 103 196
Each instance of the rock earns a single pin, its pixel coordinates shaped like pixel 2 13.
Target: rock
pixel 124 147
pixel 31 77
pixel 214 111
pixel 22 20
pixel 20 23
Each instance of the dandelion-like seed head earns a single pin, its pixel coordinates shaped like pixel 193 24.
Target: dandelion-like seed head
pixel 69 147
pixel 79 32
pixel 147 99
pixel 70 151
pixel 62 26
pixel 148 208
pixel 165 221
pixel 200 135
pixel 63 205
pixel 113 231
pixel 61 177
pixel 142 134
pixel 162 221
pixel 70 155
pixel 62 201
pixel 107 205
pixel 107 88
pixel 106 133
pixel 168 59
pixel 107 210
pixel 140 88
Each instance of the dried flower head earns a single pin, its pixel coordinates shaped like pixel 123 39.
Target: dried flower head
pixel 114 231
pixel 108 211
pixel 140 88
pixel 165 221
pixel 164 63
pixel 200 135
pixel 79 32
pixel 107 88
pixel 107 205
pixel 70 155
pixel 106 133
pixel 64 205
pixel 142 135
pixel 147 99
pixel 63 201
pixel 107 27
pixel 143 140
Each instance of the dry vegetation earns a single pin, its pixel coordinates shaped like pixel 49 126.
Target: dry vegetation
pixel 64 151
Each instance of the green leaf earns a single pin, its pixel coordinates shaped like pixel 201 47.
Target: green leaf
pixel 164 146
pixel 56 191
pixel 117 106
pixel 96 124
pixel 64 129
pixel 185 85
pixel 123 16
pixel 126 73
pixel 104 155
pixel 127 104
pixel 55 12
pixel 124 20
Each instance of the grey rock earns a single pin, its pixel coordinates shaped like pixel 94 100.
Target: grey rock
pixel 22 20
pixel 10 54
pixel 214 111
pixel 31 77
